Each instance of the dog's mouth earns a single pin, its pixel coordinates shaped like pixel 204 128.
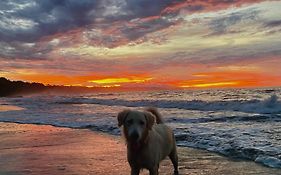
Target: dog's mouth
pixel 136 146
pixel 134 143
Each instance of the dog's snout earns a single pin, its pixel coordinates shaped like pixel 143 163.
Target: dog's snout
pixel 134 135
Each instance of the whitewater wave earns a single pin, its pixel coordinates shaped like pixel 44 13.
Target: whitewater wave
pixel 260 151
pixel 268 106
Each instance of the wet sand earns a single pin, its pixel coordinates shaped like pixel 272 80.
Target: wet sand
pixel 45 150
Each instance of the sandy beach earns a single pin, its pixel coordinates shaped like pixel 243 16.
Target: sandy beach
pixel 43 149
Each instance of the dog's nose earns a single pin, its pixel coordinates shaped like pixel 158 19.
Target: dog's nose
pixel 134 135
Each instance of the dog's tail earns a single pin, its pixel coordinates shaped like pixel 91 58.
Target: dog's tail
pixel 155 112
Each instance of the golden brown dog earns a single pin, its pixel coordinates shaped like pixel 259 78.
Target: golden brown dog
pixel 147 143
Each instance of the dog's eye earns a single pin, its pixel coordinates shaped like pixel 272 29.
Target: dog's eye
pixel 141 123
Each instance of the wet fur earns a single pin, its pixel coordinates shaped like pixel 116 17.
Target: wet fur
pixel 155 143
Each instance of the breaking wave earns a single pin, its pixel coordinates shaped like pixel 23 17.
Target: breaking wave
pixel 268 106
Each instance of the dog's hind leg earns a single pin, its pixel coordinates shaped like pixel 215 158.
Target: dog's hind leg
pixel 174 158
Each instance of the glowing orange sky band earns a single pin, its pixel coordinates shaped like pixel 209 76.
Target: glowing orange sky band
pixel 218 84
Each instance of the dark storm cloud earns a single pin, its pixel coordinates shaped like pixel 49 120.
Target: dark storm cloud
pixel 27 21
pixel 144 8
pixel 24 22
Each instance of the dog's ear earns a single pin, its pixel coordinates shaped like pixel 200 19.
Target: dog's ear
pixel 122 116
pixel 150 119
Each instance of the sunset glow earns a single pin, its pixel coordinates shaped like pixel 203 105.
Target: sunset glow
pixel 144 44
pixel 119 80
pixel 205 85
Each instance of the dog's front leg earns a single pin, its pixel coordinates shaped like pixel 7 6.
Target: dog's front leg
pixel 135 171
pixel 153 171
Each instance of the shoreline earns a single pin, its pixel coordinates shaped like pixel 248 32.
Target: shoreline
pixel 45 149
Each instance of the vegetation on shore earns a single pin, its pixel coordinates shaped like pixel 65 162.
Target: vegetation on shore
pixel 14 88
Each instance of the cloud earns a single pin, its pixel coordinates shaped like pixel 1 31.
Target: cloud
pixel 275 23
pixel 24 22
pixel 224 24
pixel 189 7
pixel 29 20
pixel 18 50
pixel 31 29
pixel 133 32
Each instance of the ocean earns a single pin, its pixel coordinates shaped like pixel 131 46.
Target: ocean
pixel 238 123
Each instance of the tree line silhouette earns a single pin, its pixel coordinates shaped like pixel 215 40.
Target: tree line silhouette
pixel 8 87
pixel 14 88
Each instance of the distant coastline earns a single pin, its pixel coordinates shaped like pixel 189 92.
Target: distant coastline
pixel 15 88
pixel 18 88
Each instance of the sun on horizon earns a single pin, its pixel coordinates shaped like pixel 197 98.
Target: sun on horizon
pixel 142 44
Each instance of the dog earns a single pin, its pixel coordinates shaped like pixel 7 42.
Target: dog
pixel 148 139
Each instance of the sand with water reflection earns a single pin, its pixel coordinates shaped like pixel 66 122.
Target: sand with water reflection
pixel 42 149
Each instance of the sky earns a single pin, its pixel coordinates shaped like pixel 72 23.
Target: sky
pixel 142 43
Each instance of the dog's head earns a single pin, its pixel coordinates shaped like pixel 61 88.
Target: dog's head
pixel 136 124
